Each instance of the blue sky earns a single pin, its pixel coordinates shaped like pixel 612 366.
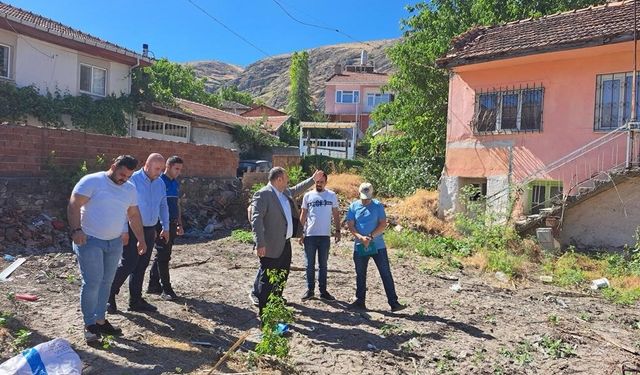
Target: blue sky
pixel 176 29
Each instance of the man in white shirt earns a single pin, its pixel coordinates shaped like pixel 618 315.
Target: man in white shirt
pixel 99 207
pixel 319 206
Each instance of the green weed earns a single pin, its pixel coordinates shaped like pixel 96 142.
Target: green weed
pixel 621 297
pixel 275 312
pixel 556 348
pixel 243 236
pixel 22 338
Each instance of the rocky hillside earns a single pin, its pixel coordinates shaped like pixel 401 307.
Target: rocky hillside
pixel 268 79
pixel 216 73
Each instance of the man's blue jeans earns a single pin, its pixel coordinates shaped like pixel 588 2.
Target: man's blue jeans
pixel 98 260
pixel 382 263
pixel 319 245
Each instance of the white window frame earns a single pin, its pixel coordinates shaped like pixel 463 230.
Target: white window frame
pixel 354 93
pixel 8 76
pixel 106 80
pixel 499 109
pixel 164 121
pixel 378 98
pixel 600 78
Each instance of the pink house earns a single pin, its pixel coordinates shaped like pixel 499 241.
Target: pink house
pixel 536 111
pixel 352 93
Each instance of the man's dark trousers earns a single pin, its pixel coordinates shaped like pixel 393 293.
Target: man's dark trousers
pixel 265 287
pixel 159 276
pixel 133 265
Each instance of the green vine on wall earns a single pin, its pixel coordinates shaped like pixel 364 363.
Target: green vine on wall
pixel 107 115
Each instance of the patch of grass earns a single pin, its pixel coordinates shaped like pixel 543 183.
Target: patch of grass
pixel 621 296
pixel 553 319
pixel 22 338
pixel 556 348
pixel 521 354
pixel 425 245
pixel 567 270
pixel 505 261
pixel 242 235
pixel 586 316
pixel 388 330
pixel 4 318
pixel 444 364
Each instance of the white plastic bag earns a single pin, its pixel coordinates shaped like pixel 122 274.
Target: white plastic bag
pixel 55 357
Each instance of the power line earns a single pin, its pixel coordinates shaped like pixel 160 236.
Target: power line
pixel 318 26
pixel 229 29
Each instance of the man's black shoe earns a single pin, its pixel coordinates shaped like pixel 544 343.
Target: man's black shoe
pixel 92 334
pixel 307 295
pixel 108 329
pixel 327 297
pixel 142 306
pixel 154 289
pixel 112 308
pixel 398 307
pixel 358 305
pixel 169 295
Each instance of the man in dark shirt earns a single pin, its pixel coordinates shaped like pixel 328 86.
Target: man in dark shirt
pixel 159 279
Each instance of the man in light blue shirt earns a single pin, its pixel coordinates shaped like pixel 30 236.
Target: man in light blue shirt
pixel 152 202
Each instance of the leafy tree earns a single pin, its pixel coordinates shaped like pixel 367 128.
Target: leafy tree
pixel 300 105
pixel 232 93
pixel 419 110
pixel 165 81
pixel 253 142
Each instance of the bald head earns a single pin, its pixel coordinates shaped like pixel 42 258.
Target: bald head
pixel 154 165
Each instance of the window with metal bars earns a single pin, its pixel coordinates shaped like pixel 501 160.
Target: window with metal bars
pixel 613 100
pixel 509 110
pixel 158 127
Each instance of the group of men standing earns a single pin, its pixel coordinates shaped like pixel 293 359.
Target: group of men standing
pixel 116 217
pixel 275 220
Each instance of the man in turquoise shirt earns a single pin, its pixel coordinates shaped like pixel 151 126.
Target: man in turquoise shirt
pixel 367 221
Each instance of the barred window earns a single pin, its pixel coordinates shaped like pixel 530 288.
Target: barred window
pixel 163 128
pixel 509 110
pixel 613 100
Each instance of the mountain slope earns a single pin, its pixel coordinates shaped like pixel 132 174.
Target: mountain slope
pixel 268 79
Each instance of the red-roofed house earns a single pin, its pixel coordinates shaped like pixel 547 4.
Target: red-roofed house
pixel 189 122
pixel 37 51
pixel 262 110
pixel 352 93
pixel 535 111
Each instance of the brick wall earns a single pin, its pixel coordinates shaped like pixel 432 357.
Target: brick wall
pixel 24 150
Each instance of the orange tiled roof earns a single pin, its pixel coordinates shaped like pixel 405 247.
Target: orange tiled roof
pixel 588 27
pixel 359 78
pixel 210 113
pixel 38 22
pixel 271 123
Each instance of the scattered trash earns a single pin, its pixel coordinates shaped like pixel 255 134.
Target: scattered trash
pixel 456 287
pixel 58 224
pixel 9 258
pixel 282 329
pixel 600 283
pixel 202 343
pixel 448 277
pixel 26 297
pixel 4 275
pixel 546 279
pixel 51 357
pixel 398 228
pixel 501 276
pixel 371 347
pixel 312 329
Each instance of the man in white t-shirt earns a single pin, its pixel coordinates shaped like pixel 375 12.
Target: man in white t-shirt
pixel 319 206
pixel 99 207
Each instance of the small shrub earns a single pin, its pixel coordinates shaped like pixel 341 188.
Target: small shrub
pixel 296 174
pixel 275 312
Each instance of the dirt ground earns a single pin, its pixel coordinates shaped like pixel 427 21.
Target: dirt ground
pixel 487 327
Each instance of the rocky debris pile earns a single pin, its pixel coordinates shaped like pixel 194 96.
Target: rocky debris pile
pixel 25 232
pixel 211 206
